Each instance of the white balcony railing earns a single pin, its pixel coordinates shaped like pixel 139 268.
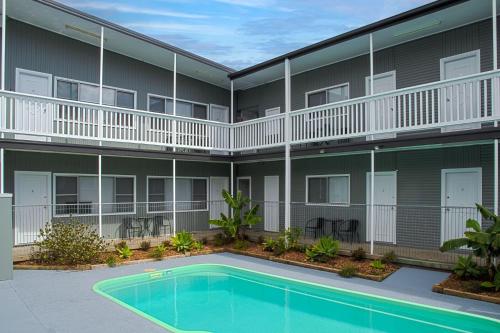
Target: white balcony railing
pixel 467 101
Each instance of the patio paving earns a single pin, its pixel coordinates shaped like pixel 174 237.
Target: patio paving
pixel 63 301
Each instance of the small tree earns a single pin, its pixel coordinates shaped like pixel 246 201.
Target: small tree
pixel 232 224
pixel 484 243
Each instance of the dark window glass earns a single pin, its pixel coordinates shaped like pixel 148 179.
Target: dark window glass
pixel 199 193
pixel 67 90
pixel 156 189
pixel 157 104
pixel 124 195
pixel 316 99
pixel 199 111
pixel 125 99
pixel 317 190
pixel 66 195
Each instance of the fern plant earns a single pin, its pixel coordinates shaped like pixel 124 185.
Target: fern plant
pixel 466 268
pixel 232 224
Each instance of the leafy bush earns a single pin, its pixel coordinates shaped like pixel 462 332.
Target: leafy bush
pixel 466 268
pixel 111 261
pixel 120 245
pixel 221 239
pixel 158 252
pixel 292 236
pixel 68 243
pixel 495 284
pixel 389 257
pixel 377 264
pixel 348 271
pixel 124 252
pixel 166 244
pixel 198 246
pixel 145 245
pixel 484 243
pixel 269 244
pixel 279 247
pixel 240 244
pixel 359 254
pixel 183 242
pixel 232 225
pixel 323 250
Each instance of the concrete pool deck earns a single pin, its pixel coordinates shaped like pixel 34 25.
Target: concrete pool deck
pixel 63 301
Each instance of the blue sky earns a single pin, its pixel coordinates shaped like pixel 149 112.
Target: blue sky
pixel 240 33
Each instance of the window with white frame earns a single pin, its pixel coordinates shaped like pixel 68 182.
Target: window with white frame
pixel 191 194
pixel 162 104
pixel 89 92
pixel 328 95
pixel 78 194
pixel 328 189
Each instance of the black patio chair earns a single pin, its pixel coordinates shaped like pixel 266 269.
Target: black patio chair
pixel 348 230
pixel 316 226
pixel 161 223
pixel 131 226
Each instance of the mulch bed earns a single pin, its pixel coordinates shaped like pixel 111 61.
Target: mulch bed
pixel 467 288
pixel 364 269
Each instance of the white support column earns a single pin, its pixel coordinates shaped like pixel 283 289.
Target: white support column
pixel 232 179
pixel 371 64
pixel 99 192
pixel 494 26
pixel 174 201
pixel 372 199
pixel 231 131
pixel 371 109
pixel 495 177
pixel 288 168
pixel 4 41
pixel 174 106
pixel 101 76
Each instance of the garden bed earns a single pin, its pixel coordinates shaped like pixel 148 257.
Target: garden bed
pixel 335 265
pixel 471 289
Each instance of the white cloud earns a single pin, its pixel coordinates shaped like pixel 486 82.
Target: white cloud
pixel 200 29
pixel 119 7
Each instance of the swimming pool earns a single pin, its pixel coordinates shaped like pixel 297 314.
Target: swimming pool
pixel 221 299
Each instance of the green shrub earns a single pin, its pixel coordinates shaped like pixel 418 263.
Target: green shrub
pixel 240 244
pixel 269 244
pixel 377 264
pixel 348 271
pixel 145 245
pixel 124 252
pixel 466 268
pixel 158 252
pixel 166 244
pixel 323 250
pixel 120 245
pixel 68 243
pixel 279 247
pixel 183 242
pixel 359 254
pixel 111 261
pixel 389 257
pixel 221 239
pixel 495 284
pixel 198 246
pixel 292 236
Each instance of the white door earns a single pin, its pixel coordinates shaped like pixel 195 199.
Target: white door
pixel 32 205
pixel 384 211
pixel 271 203
pixel 221 114
pixel 217 203
pixel 383 119
pixel 461 189
pixel 460 102
pixel 33 117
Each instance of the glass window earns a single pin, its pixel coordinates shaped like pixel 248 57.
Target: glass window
pixel 199 111
pixel 329 189
pixel 89 93
pixel 67 90
pixel 191 194
pixel 338 94
pixel 124 196
pixel 66 195
pixel 184 109
pixel 160 194
pixel 316 99
pixel 156 104
pixel 125 99
pixel 108 96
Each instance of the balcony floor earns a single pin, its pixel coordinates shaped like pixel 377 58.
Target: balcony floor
pixel 61 301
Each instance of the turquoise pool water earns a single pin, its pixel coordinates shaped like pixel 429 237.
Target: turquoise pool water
pixel 225 299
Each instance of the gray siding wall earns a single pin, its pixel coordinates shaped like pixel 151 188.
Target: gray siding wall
pixel 36 49
pixel 140 168
pixel 418 184
pixel 415 62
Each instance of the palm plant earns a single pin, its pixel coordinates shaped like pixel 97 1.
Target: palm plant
pixel 484 243
pixel 232 224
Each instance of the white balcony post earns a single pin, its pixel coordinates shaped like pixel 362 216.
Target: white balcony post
pixel 232 178
pixel 371 104
pixel 99 192
pixel 174 201
pixel 174 111
pixel 372 199
pixel 287 143
pixel 4 41
pixel 231 131
pixel 495 60
pixel 495 176
pixel 101 76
